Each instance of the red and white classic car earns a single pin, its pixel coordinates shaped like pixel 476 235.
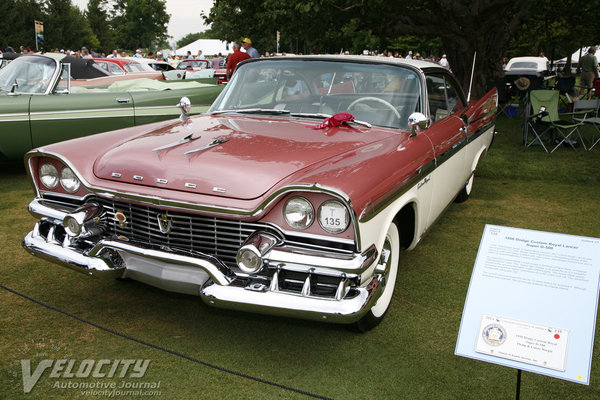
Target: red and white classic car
pixel 293 195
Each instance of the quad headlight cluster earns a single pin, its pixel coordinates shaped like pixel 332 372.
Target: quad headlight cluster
pixel 51 178
pixel 332 215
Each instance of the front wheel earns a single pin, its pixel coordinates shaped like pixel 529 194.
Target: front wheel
pixel 465 192
pixel 386 272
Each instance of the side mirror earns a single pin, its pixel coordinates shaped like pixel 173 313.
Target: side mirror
pixel 416 121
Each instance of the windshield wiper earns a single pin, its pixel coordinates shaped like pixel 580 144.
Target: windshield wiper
pixel 323 116
pixel 270 111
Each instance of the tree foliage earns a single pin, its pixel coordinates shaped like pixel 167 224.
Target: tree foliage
pixel 140 23
pixel 98 17
pixel 105 24
pixel 458 28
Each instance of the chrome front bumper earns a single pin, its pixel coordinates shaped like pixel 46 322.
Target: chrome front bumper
pixel 217 284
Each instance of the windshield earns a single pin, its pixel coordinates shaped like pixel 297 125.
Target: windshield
pixel 383 95
pixel 28 74
pixel 137 67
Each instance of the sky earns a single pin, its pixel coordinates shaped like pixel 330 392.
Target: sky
pixel 185 15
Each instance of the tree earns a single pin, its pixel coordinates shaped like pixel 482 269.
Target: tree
pixel 140 23
pixel 65 26
pixel 18 27
pixel 484 27
pixel 462 26
pixel 97 17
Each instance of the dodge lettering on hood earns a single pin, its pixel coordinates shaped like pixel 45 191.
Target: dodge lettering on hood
pixel 293 195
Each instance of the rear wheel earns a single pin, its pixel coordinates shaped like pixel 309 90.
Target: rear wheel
pixel 387 270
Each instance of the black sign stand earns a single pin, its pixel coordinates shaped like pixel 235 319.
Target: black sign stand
pixel 518 384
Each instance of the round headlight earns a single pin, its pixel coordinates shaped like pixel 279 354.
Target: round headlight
pixel 333 216
pixel 299 213
pixel 68 180
pixel 49 176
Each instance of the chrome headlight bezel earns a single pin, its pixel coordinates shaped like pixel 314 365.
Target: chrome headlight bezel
pixel 48 175
pixel 333 216
pixel 298 213
pixel 69 181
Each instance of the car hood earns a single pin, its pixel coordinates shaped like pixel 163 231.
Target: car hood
pixel 238 157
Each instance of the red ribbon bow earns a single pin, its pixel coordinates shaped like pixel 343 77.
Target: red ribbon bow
pixel 335 120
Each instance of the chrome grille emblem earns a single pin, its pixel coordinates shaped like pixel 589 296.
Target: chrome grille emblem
pixel 164 223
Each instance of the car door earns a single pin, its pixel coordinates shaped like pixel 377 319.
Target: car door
pixel 15 136
pixel 152 106
pixel 448 136
pixel 57 117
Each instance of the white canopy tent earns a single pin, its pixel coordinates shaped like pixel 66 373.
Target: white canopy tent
pixel 209 47
pixel 583 51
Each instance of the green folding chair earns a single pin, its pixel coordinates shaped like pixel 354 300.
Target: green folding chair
pixel 544 124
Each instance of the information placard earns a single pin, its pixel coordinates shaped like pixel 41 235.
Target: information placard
pixel 532 302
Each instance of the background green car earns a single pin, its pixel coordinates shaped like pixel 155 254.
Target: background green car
pixel 46 99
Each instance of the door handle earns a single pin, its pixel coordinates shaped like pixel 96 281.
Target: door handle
pixel 123 100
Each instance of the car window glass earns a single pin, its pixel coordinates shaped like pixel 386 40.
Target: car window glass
pixel 443 97
pixel 27 75
pixel 115 69
pixel 383 95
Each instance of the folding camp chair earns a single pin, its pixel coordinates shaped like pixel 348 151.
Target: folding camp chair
pixel 588 112
pixel 545 125
pixel 566 86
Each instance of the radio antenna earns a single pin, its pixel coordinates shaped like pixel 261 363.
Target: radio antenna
pixel 472 73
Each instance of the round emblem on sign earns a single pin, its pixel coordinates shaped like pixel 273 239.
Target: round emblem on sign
pixel 494 335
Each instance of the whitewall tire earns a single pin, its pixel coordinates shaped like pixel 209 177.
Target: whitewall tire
pixel 388 270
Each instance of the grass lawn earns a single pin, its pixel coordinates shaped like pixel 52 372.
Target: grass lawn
pixel 409 356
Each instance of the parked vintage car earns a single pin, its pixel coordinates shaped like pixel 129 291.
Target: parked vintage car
pixel 191 69
pixel 527 66
pixel 46 99
pixel 6 58
pixel 292 196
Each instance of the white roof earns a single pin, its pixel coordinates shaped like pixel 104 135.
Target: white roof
pixel 209 47
pixel 537 64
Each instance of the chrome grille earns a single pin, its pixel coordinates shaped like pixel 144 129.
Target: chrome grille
pixel 218 237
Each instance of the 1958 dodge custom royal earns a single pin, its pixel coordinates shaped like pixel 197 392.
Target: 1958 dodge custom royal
pixel 292 196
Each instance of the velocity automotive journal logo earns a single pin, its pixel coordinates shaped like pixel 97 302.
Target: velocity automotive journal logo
pixel 90 375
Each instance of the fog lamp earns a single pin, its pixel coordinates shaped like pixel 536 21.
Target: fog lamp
pixel 72 226
pixel 249 260
pixel 74 221
pixel 250 256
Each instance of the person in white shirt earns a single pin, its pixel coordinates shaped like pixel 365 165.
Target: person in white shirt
pixel 444 62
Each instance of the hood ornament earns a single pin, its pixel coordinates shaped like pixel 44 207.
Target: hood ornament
pixel 186 139
pixel 214 143
pixel 185 105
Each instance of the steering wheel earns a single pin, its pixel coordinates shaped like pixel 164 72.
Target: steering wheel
pixel 377 100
